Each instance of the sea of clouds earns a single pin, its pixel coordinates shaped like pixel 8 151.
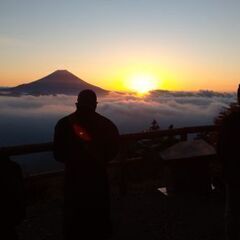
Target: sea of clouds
pixel 30 119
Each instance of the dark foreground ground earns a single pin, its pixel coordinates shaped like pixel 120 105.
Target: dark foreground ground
pixel 141 215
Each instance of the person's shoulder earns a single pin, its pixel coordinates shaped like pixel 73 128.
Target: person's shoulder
pixel 106 121
pixel 64 121
pixel 103 118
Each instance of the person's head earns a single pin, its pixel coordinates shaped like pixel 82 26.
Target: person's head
pixel 87 99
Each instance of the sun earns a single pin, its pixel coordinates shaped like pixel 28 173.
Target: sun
pixel 142 84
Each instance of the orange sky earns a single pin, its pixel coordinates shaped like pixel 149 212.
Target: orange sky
pixel 114 76
pixel 182 45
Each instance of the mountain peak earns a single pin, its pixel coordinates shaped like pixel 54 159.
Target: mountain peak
pixel 57 82
pixel 62 71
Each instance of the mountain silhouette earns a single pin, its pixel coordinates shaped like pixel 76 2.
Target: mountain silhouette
pixel 58 82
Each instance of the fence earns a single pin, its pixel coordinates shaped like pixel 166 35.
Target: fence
pixel 122 161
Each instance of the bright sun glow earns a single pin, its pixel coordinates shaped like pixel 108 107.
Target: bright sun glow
pixel 142 83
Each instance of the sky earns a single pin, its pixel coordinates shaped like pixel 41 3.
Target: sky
pixel 179 45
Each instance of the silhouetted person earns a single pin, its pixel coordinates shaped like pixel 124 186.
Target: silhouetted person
pixel 12 200
pixel 229 154
pixel 85 142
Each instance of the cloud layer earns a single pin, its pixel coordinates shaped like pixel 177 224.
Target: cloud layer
pixel 28 119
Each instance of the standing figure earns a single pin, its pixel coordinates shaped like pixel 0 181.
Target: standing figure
pixel 85 142
pixel 12 199
pixel 228 150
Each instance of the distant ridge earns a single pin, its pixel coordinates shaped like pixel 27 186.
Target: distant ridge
pixel 58 82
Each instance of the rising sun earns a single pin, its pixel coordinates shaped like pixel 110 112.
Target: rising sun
pixel 142 84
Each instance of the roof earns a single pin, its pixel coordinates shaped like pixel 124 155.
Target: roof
pixel 188 149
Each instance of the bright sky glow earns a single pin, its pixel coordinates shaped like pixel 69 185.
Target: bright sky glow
pixel 188 44
pixel 142 83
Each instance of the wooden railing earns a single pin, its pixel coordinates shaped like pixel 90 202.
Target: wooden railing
pixel 125 139
pixel 122 160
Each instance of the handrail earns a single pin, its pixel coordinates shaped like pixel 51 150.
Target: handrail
pixel 168 132
pixel 125 138
pixel 122 160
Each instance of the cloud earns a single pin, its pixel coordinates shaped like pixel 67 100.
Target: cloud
pixel 30 119
pixel 181 109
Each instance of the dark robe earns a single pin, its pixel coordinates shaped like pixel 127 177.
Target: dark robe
pixel 85 142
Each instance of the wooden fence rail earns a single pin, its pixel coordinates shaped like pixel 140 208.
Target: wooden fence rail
pixel 121 161
pixel 125 139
